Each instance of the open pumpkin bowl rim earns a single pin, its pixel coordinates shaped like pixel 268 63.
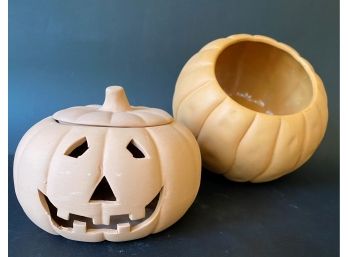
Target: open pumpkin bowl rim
pixel 269 42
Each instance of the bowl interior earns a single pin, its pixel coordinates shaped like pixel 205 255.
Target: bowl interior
pixel 264 78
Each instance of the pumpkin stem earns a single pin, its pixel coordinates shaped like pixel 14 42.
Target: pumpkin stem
pixel 115 100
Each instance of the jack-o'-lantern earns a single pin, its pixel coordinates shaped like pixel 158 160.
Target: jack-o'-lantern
pixel 113 172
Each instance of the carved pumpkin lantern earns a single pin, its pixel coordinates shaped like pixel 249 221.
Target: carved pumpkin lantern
pixel 113 172
pixel 256 107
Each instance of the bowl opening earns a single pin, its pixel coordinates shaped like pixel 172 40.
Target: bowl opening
pixel 264 78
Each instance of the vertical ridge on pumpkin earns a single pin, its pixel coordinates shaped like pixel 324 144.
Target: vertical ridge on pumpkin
pixel 288 149
pixel 55 151
pixel 103 152
pixel 193 92
pixel 200 109
pixel 322 89
pixel 209 113
pixel 313 129
pixel 75 113
pixel 91 115
pixel 156 148
pixel 191 142
pixel 323 111
pixel 223 116
pixel 199 60
pixel 301 157
pixel 255 152
pixel 27 140
pixel 141 118
pixel 230 169
pixel 321 117
pixel 186 83
pixel 254 179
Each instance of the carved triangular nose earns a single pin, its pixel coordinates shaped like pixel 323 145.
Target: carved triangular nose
pixel 103 192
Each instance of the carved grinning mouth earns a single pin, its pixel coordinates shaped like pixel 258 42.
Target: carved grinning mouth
pixel 122 223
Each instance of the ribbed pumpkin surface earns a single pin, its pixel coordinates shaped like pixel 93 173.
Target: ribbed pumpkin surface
pixel 238 142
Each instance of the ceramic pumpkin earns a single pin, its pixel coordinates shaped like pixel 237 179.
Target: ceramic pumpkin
pixel 112 172
pixel 256 107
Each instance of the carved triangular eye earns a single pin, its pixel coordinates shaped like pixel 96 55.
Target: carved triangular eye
pixel 134 150
pixel 78 148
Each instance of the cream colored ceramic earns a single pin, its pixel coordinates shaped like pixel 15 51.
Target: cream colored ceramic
pixel 112 172
pixel 256 107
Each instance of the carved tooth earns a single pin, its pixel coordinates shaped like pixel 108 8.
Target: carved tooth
pixel 79 226
pixel 123 228
pixel 97 220
pixel 106 219
pixel 63 214
pixel 137 214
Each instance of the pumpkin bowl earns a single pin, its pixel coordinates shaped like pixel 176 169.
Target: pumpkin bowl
pixel 113 172
pixel 256 107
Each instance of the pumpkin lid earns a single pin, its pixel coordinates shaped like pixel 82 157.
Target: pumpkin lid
pixel 115 112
